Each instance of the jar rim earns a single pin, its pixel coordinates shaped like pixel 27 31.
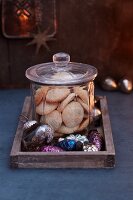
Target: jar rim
pixel 86 72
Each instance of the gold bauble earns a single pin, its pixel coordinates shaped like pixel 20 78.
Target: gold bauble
pixel 109 84
pixel 125 85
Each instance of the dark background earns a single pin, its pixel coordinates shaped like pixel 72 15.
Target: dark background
pixel 99 33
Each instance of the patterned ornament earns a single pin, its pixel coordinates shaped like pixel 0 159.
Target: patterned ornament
pixel 34 138
pixel 67 144
pixel 41 38
pixel 78 137
pixel 109 84
pixel 90 147
pixel 43 133
pixel 125 85
pixel 49 148
pixel 96 139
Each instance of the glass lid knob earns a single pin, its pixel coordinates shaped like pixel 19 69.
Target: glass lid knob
pixel 61 61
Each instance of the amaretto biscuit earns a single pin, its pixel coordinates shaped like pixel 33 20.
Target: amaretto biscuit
pixel 66 130
pixel 45 108
pixel 57 95
pixel 84 105
pixel 86 115
pixel 83 124
pixel 83 94
pixel 62 76
pixel 54 119
pixel 40 94
pixel 66 101
pixel 73 114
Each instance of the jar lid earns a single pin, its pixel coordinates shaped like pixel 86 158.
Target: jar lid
pixel 61 72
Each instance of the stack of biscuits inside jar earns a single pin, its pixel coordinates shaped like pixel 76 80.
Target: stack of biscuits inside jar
pixel 63 99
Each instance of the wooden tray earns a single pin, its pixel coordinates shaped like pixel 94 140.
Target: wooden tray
pixel 73 159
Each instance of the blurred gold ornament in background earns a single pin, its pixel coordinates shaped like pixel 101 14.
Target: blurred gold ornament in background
pixel 109 84
pixel 125 85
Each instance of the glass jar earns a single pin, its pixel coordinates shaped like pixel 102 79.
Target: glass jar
pixel 63 94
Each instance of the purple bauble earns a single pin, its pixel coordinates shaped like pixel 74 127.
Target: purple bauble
pixel 50 148
pixel 95 138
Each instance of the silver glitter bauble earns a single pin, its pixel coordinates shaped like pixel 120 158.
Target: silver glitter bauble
pixel 125 85
pixel 90 147
pixel 29 125
pixel 78 137
pixel 109 84
pixel 44 132
pixel 60 139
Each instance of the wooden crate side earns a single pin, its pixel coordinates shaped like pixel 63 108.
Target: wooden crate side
pixel 48 161
pixel 62 161
pixel 110 161
pixel 107 126
pixel 14 163
pixel 101 159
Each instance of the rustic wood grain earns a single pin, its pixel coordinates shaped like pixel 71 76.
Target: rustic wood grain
pixel 79 159
pixel 110 160
pixel 99 33
pixel 4 60
pixel 107 125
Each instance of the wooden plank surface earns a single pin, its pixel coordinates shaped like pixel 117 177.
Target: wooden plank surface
pixel 4 60
pixel 61 160
pixel 107 126
pixel 65 159
pixel 93 32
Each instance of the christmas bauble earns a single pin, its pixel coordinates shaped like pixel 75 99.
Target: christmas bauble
pixel 49 148
pixel 29 125
pixel 37 137
pixel 78 137
pixel 90 147
pixel 44 133
pixel 125 85
pixel 109 84
pixel 96 139
pixel 68 144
